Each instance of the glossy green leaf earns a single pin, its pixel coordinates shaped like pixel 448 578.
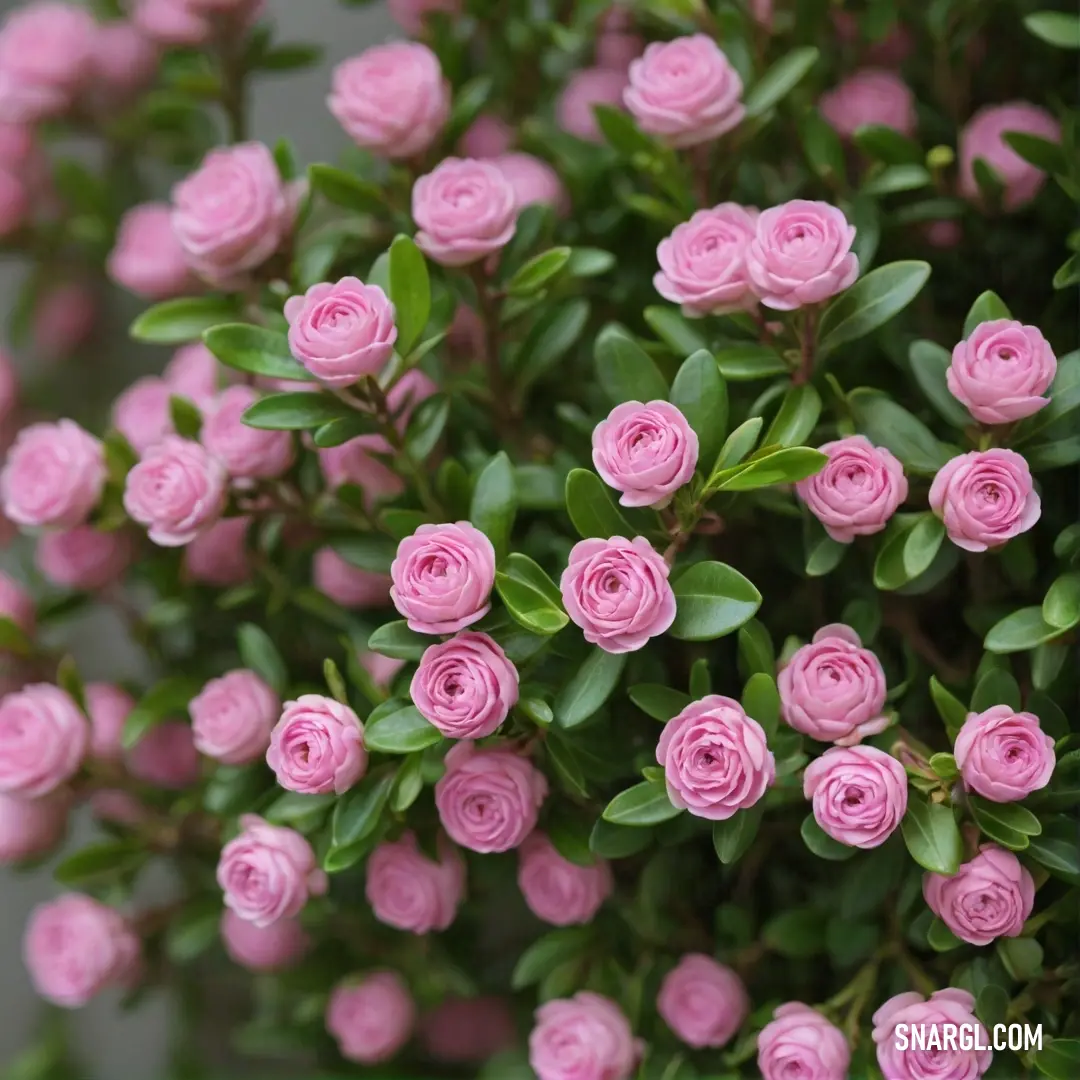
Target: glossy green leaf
pixel 643 804
pixel 732 838
pixel 659 702
pixel 530 596
pixel 780 80
pixel 550 339
pixel 401 732
pixel 344 189
pixel 951 709
pixel 397 641
pixel 539 272
pixel 712 599
pixel 745 363
pixel 367 551
pixel 294 411
pixel 1022 630
pixel 885 423
pixel 494 502
pixel 1061 605
pixel 589 687
pixel 825 556
pixel 256 350
pixel 410 291
pixel 356 813
pixel 821 844
pixel 921 544
pixel 626 372
pixel 787 466
pixel 546 953
pixel 987 307
pixel 165 699
pixel 1060 28
pixel 737 445
pixel 591 509
pixel 796 419
pixel 174 322
pixel 929 363
pixel 932 836
pixel 700 394
pixel 259 653
pixel 888 145
pixel 678 333
pixel 761 701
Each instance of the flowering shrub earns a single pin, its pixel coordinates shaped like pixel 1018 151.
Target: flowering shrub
pixel 605 551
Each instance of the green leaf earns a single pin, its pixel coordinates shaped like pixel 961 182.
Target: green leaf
pixel 256 350
pixel 357 812
pixel 786 466
pixel 1059 1058
pixel 591 509
pixel 301 812
pixel 822 146
pixel 1022 630
pixel 700 394
pixel 921 545
pixel 713 599
pixel 469 100
pixel 732 838
pixel 343 430
pixel 591 685
pixel 234 788
pixel 761 701
pixel 193 930
pixel 871 302
pixel 944 766
pixel 539 272
pixel 565 763
pixel 756 652
pixel 1061 605
pixel 550 339
pixel 700 678
pixel 643 804
pixel 401 732
pixel 779 80
pixel 175 322
pixel 589 262
pixel 611 841
pixel 548 952
pixel 825 556
pixel 344 189
pixel 622 134
pixel 186 418
pixel 368 551
pixel 1008 823
pixel 167 698
pixel 1062 29
pixel 896 178
pixel 996 687
pixel 531 597
pixel 410 291
pixel 932 836
pixel 426 426
pixel 992 1005
pixel 13 638
pixel 885 423
pixel 659 702
pixel 798 933
pixel 929 363
pixel 797 418
pixel 952 711
pixel 1042 153
pixel 745 363
pixel 626 372
pixel 1061 857
pixel 397 641
pixel 1068 273
pixel 676 332
pixel 101 862
pixel 886 144
pixel 940 938
pixel 295 411
pixel 821 843
pixel 736 446
pixel 258 652
pixel 494 502
pixel 987 307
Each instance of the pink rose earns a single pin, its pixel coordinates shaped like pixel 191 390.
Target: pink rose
pixel 147 258
pixel 43 740
pixel 172 22
pixel 617 591
pixel 409 891
pixel 123 63
pixel 465 687
pixel 83 557
pixel 558 891
pixel 585 1037
pixel 75 947
pixel 468 1030
pixel 833 689
pixel 166 757
pixel 442 577
pixel 647 452
pixel 15 202
pixel 232 717
pixel 391 99
pixel 716 760
pixel 464 211
pixel 31 827
pixel 64 317
pixel 702 1001
pixel 982 138
pixel 534 181
pixel 859 794
pixel 193 373
pixel 1004 755
pixel 248 453
pixel 1001 371
pixel 952 1007
pixel 108 707
pixel 346 584
pixel 219 556
pixel 45 59
pixel 800 1042
pixel 371 1018
pixel 989 897
pixel 870 96
pixel 489 797
pixel 703 262
pixel 17 605
pixel 685 91
pixel 584 90
pixel 354 462
pixel 317 746
pixel 53 476
pixel 276 947
pixel 801 254
pixel 143 413
pixel 232 213
pixel 486 137
pixel 343 331
pixel 176 491
pixel 858 491
pixel 617 46
pixel 985 498
pixel 411 15
pixel 268 873
pixel 382 669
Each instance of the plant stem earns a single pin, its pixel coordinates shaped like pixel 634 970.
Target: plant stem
pixel 233 90
pixel 501 404
pixel 808 341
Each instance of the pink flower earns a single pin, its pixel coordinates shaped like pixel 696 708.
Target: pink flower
pixel 985 498
pixel 585 1037
pixel 232 213
pixel 354 462
pixel 172 22
pixel 53 476
pixel 833 689
pixel 703 262
pixel 465 687
pixel 952 1007
pixel 982 138
pixel 83 557
pixel 1004 755
pixel 348 585
pixel 268 873
pixel 17 605
pixel 147 258
pixel 108 707
pixel 123 63
pixel 647 452
pixel 558 891
pixel 858 491
pixel 487 136
pixel 716 760
pixel 371 1018
pixel 617 591
pixel 166 757
pixel 584 90
pixel 232 717
pixel 702 1001
pixel 193 373
pixel 64 318
pixel 488 798
pixel 276 947
pixel 1001 371
pixel 143 413
pixel 859 794
pixel 799 1042
pixel 533 181
pixel 317 746
pixel 801 254
pixel 43 740
pixel 468 1030
pixel 685 91
pixel 15 202
pixel 218 556
pixel 870 96
pixel 382 669
pixel 617 47
pixel 75 947
pixel 45 59
pixel 31 827
pixel 442 577
pixel 342 331
pixel 409 891
pixel 176 491
pixel 464 211
pixel 411 15
pixel 248 453
pixel 989 897
pixel 391 99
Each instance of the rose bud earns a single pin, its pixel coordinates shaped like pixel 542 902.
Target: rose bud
pixel 411 15
pixel 685 91
pixel 950 1008
pixel 585 1037
pixel 800 1042
pixel 193 373
pixel 409 891
pixel 108 707
pixel 348 585
pixel 1004 755
pixel 870 96
pixel 248 453
pixel 232 717
pixel 276 947
pixel 43 740
pixel 371 1018
pixel 17 606
pixel 489 798
pixel 31 827
pixel 584 90
pixel 534 181
pixel 83 557
pixel 985 498
pixel 317 746
pixel 354 462
pixel 486 137
pixel 124 63
pixel 468 1030
pixel 219 556
pixel 166 757
pixel 558 891
pixel 702 1001
pixel 143 413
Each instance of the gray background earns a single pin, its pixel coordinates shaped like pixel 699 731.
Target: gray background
pixel 130 1047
